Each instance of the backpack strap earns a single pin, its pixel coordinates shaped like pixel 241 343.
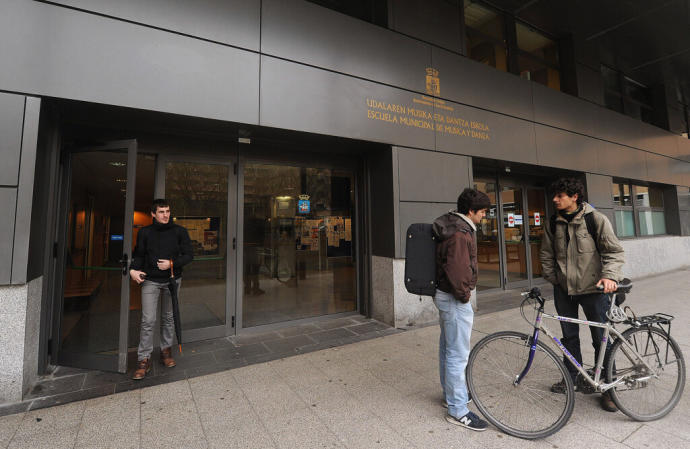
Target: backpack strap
pixel 592 228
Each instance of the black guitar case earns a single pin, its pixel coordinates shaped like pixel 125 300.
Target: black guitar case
pixel 420 260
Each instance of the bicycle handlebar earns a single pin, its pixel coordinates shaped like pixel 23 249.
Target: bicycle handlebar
pixel 623 287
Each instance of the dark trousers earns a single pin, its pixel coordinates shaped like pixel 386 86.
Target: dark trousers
pixel 595 306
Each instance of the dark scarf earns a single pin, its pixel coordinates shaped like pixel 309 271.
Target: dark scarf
pixel 569 216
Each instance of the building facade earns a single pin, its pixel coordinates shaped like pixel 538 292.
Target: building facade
pixel 297 140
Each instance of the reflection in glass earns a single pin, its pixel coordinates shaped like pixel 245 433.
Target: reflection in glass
pixel 535 70
pixel 536 205
pixel 93 275
pixel 651 222
pixel 648 196
pixel 533 42
pixel 198 197
pixel 513 229
pixel 488 254
pixel 625 226
pixel 485 39
pixel 298 243
pixel 621 194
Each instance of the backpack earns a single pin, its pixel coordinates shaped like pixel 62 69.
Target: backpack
pixel 420 260
pixel 591 228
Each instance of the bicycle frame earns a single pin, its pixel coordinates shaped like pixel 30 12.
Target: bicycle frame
pixel 608 329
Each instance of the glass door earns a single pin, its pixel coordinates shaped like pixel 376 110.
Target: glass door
pixel 537 220
pixel 488 240
pixel 97 210
pixel 298 243
pixel 202 199
pixel 515 255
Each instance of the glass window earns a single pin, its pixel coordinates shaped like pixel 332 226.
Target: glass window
pixel 621 194
pixel 486 51
pixel 198 196
pixel 627 96
pixel 535 70
pixel 625 225
pixel 652 222
pixel 649 196
pixel 646 213
pixel 532 42
pixel 484 20
pixel 485 36
pixel 299 239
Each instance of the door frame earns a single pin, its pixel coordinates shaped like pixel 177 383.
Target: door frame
pixel 230 325
pixel 93 361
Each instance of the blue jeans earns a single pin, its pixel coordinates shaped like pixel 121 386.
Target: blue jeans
pixel 454 348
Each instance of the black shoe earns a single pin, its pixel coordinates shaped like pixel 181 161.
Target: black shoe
pixel 583 386
pixel 470 421
pixel 559 387
pixel 607 403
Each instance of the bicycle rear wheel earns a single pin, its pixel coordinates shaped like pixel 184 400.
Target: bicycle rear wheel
pixel 644 396
pixel 529 410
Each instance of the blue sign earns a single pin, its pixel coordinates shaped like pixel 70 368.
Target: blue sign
pixel 303 206
pixel 117 237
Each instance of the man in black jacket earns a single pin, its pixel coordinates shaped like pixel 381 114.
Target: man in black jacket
pixel 159 246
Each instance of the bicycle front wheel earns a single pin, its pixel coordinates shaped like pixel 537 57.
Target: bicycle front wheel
pixel 645 395
pixel 529 410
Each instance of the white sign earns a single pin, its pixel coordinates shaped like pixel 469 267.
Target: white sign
pixel 537 219
pixel 511 220
pixel 518 219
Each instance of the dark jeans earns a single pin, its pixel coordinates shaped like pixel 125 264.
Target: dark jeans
pixel 595 306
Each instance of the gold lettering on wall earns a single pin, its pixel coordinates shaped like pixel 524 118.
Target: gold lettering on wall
pixel 441 119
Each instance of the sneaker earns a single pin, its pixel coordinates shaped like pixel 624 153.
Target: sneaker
pixel 470 421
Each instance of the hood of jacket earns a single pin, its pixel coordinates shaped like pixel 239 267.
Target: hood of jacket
pixel 448 224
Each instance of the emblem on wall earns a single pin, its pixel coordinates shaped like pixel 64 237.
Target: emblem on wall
pixel 433 85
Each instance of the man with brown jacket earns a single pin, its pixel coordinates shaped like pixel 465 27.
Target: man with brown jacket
pixel 456 275
pixel 576 264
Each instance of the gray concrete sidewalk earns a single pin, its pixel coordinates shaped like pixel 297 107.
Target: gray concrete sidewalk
pixel 380 393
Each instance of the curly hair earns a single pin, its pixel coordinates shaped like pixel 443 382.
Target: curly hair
pixel 569 186
pixel 472 200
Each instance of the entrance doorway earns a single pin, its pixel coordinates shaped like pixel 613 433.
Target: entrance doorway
pixel 509 238
pixel 98 196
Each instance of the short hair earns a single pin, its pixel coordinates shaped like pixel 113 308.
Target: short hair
pixel 569 186
pixel 472 200
pixel 158 202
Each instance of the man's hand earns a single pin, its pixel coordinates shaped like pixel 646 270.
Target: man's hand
pixel 609 285
pixel 137 276
pixel 163 264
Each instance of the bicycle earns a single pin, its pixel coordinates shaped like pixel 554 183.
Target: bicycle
pixel 510 374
